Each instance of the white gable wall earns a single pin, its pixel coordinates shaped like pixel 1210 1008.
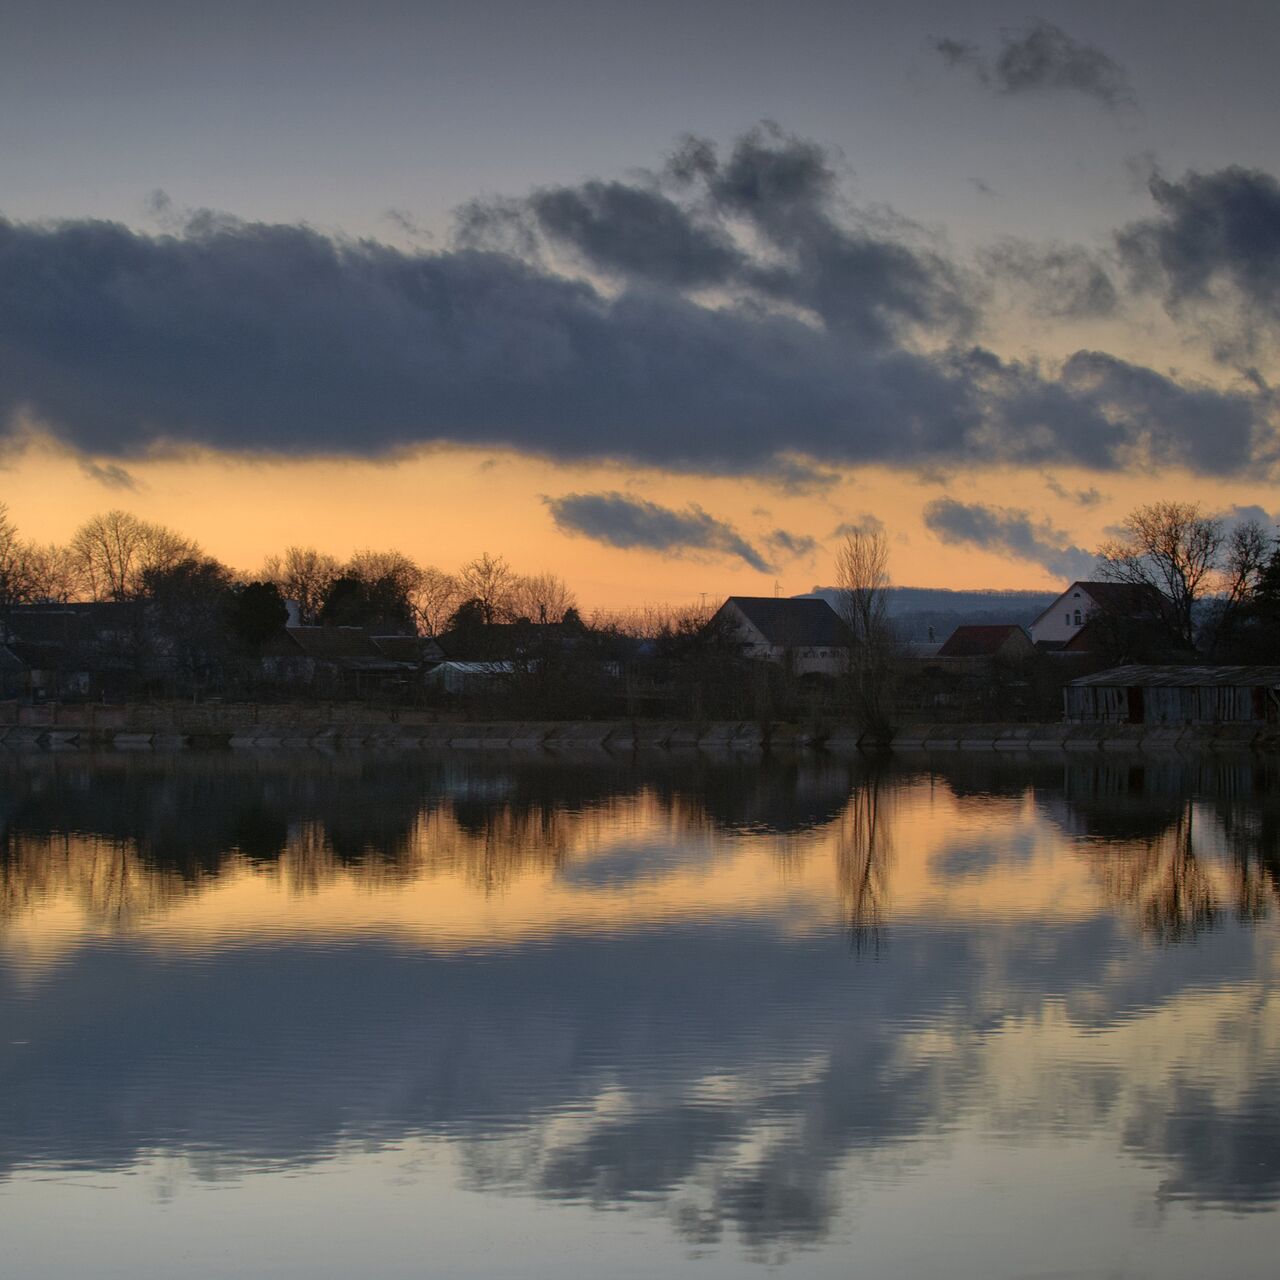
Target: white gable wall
pixel 1064 618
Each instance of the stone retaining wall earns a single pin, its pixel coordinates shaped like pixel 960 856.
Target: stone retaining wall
pixel 345 725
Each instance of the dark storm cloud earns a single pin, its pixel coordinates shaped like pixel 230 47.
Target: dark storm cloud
pixel 790 545
pixel 869 276
pixel 1009 532
pixel 1089 497
pixel 1215 239
pixel 830 339
pixel 110 475
pixel 1043 57
pixel 636 232
pixel 620 521
pixel 1065 281
pixel 865 523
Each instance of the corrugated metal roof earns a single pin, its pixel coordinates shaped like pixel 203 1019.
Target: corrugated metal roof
pixel 1177 677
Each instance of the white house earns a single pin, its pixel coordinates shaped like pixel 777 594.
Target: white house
pixel 1064 620
pixel 808 637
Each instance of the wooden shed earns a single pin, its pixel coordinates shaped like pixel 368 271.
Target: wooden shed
pixel 1175 695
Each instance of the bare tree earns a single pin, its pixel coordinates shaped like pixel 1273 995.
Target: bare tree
pixel 541 597
pixel 112 552
pixel 1186 556
pixel 16 564
pixel 54 576
pixel 303 575
pixel 1246 555
pixel 392 567
pixel 436 598
pixel 489 581
pixel 862 578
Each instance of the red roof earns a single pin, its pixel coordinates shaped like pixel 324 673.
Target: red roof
pixel 980 642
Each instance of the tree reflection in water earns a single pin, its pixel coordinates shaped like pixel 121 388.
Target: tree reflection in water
pixel 727 1064
pixel 864 857
pixel 1177 842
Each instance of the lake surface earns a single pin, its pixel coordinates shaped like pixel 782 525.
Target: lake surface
pixel 384 1016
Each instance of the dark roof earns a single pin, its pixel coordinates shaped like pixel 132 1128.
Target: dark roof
pixel 980 642
pixel 407 648
pixel 485 642
pixel 1115 597
pixel 793 623
pixel 66 627
pixel 39 656
pixel 1180 677
pixel 349 647
pixel 1124 597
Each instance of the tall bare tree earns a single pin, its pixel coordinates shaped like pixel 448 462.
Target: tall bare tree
pixel 112 552
pixel 489 581
pixel 16 564
pixel 391 567
pixel 862 579
pixel 54 574
pixel 303 575
pixel 435 600
pixel 541 597
pixel 1187 556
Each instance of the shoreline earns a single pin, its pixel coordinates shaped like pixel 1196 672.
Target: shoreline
pixel 169 726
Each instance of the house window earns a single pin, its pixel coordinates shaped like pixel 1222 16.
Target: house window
pixel 1068 617
pixel 1077 617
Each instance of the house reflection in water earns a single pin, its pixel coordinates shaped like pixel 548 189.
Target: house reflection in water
pixel 737 1004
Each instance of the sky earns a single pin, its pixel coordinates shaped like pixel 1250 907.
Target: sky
pixel 662 298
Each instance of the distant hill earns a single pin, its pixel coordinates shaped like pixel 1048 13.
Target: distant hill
pixel 915 610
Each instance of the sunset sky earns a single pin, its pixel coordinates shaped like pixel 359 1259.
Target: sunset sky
pixel 661 297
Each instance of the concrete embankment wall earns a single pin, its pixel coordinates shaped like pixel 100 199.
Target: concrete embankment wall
pixel 1085 737
pixel 249 725
pixel 167 726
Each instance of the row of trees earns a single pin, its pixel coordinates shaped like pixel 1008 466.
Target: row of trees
pixel 392 585
pixel 118 557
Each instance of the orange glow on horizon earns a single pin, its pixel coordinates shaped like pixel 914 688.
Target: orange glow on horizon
pixel 444 507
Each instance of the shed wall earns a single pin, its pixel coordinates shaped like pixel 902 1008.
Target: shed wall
pixel 1164 704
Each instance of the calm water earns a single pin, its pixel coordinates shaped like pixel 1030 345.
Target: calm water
pixel 276 1016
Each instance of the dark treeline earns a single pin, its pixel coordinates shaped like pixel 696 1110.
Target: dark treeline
pixel 165 619
pixel 164 826
pixel 128 609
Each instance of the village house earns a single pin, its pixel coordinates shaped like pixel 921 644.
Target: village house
pixel 1064 627
pixel 348 661
pixel 1004 642
pixel 70 651
pixel 805 636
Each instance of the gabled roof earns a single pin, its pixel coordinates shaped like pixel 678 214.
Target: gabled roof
pixel 1183 677
pixel 1115 597
pixel 980 641
pixel 67 627
pixel 408 648
pixel 350 647
pixel 792 623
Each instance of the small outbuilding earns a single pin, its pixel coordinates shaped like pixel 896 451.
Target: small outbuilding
pixel 1176 695
pixel 1006 641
